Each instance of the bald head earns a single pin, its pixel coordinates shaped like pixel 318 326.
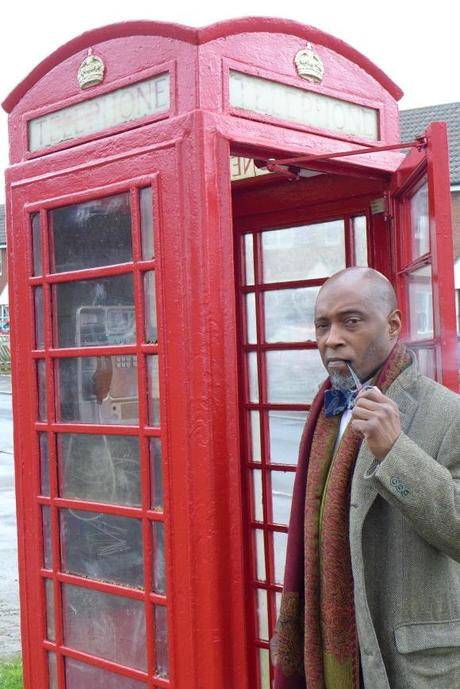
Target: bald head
pixel 373 286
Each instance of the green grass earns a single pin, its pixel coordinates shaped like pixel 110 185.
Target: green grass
pixel 11 674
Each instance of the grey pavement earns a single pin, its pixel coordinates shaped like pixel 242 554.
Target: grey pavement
pixel 5 384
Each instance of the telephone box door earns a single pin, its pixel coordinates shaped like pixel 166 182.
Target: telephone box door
pixel 423 251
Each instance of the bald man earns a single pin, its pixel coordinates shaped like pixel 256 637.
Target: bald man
pixel 371 596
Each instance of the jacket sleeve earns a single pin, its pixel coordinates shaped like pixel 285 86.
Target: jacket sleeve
pixel 424 489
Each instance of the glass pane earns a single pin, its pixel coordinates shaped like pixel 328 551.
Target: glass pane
pixel 257 495
pixel 44 467
pixel 426 362
pixel 156 474
pixel 41 386
pixel 360 239
pixel 49 597
pixel 36 244
pixel 279 548
pixel 278 603
pixel 95 312
pixel 294 376
pixel 99 468
pixel 90 234
pixel 421 303
pixel 264 665
pixel 161 642
pixel 39 318
pixel 260 555
pixel 151 332
pixel 262 614
pixel 52 671
pixel 153 390
pixel 285 428
pixel 46 523
pixel 282 487
pixel 146 207
pixel 303 253
pixel 253 377
pixel 99 389
pixel 289 314
pixel 81 676
pixel 159 566
pixel 102 546
pixel 249 258
pixel 255 436
pixel 251 318
pixel 105 625
pixel 420 222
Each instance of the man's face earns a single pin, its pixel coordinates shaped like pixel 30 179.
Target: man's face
pixel 352 326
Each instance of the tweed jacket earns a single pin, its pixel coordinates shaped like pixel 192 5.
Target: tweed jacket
pixel 405 544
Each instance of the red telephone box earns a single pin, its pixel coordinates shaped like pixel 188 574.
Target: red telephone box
pixel 162 291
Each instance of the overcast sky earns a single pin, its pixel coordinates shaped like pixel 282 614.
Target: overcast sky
pixel 414 42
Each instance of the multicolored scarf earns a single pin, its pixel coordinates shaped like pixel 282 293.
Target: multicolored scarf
pixel 315 645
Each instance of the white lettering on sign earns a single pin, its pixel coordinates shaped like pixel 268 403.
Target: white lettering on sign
pixel 303 107
pixel 149 97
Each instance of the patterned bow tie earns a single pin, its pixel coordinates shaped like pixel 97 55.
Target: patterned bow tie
pixel 337 401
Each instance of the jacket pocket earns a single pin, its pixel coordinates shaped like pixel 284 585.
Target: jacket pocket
pixel 420 636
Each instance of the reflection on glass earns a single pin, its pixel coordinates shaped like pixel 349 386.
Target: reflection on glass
pixel 39 318
pixel 161 642
pixel 81 676
pixel 153 390
pixel 257 495
pixel 264 665
pixel 151 331
pixel 255 436
pixel 44 468
pixel 105 625
pixel 93 233
pixel 253 377
pixel 285 428
pixel 49 597
pixel 95 312
pixel 289 314
pixel 156 474
pixel 421 303
pixel 52 671
pixel 303 253
pixel 99 468
pixel 360 240
pixel 282 487
pixel 102 546
pixel 99 389
pixel 251 318
pixel 261 572
pixel 262 614
pixel 420 222
pixel 279 549
pixel 278 603
pixel 294 376
pixel 249 258
pixel 146 208
pixel 426 362
pixel 159 565
pixel 46 524
pixel 36 244
pixel 41 387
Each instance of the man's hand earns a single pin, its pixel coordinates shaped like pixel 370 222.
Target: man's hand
pixel 376 417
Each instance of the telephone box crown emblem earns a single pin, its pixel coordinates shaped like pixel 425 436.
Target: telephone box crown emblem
pixel 309 65
pixel 91 71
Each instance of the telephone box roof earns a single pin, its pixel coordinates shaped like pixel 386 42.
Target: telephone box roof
pixel 198 36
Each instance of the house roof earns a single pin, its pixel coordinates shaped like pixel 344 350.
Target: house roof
pixel 2 226
pixel 413 122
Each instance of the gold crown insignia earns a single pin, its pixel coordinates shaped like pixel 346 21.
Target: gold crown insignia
pixel 91 71
pixel 309 65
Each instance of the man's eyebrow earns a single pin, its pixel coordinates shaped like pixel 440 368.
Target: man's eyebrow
pixel 342 314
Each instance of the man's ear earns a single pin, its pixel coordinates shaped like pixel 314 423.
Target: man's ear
pixel 394 323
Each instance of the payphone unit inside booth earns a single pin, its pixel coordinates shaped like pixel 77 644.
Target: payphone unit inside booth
pixel 161 319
